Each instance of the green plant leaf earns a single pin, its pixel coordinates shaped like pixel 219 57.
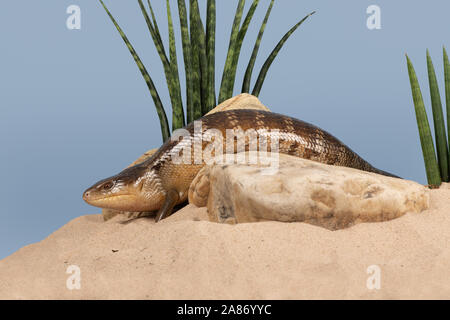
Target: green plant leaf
pixel 203 61
pixel 187 54
pixel 438 118
pixel 177 109
pixel 171 78
pixel 156 37
pixel 447 95
pixel 154 93
pixel 155 23
pixel 251 63
pixel 272 56
pixel 226 87
pixel 211 53
pixel 426 140
pixel 239 41
pixel 194 16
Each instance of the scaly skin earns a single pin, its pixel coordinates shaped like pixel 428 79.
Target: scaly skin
pixel 159 184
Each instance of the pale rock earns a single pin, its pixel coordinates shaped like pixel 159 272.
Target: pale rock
pixel 302 190
pixel 199 188
pixel 241 101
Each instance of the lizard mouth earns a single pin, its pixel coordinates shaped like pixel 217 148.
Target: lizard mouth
pixel 118 202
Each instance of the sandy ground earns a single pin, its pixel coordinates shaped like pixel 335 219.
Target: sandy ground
pixel 187 257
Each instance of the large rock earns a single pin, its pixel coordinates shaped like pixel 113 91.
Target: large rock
pixel 241 101
pixel 302 190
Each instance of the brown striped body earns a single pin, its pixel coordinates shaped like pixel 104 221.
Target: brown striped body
pixel 159 183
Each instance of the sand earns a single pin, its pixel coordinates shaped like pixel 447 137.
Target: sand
pixel 187 257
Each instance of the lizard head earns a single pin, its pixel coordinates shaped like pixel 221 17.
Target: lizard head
pixel 135 189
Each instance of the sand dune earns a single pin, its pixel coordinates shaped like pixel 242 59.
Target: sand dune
pixel 187 257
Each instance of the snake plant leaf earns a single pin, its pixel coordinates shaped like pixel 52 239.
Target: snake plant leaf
pixel 251 63
pixel 239 41
pixel 194 16
pixel 151 86
pixel 438 118
pixel 171 79
pixel 447 94
pixel 200 38
pixel 156 39
pixel 273 55
pixel 426 140
pixel 226 86
pixel 187 55
pixel 211 53
pixel 155 23
pixel 177 110
pixel 174 86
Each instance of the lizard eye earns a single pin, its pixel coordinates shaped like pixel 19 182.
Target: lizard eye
pixel 108 185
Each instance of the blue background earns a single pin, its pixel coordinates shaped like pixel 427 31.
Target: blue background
pixel 74 107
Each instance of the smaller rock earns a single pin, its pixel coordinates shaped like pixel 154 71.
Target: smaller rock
pixel 241 101
pixel 199 188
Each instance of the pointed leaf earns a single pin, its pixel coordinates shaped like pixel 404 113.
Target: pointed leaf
pixel 438 118
pixel 187 54
pixel 198 38
pixel 251 63
pixel 156 37
pixel 195 47
pixel 172 83
pixel 226 87
pixel 273 55
pixel 155 24
pixel 239 41
pixel 154 93
pixel 177 109
pixel 210 53
pixel 426 140
pixel 447 95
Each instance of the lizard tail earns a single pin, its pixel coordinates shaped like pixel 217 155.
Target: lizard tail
pixel 384 173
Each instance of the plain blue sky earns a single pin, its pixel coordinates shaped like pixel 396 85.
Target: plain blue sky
pixel 75 109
